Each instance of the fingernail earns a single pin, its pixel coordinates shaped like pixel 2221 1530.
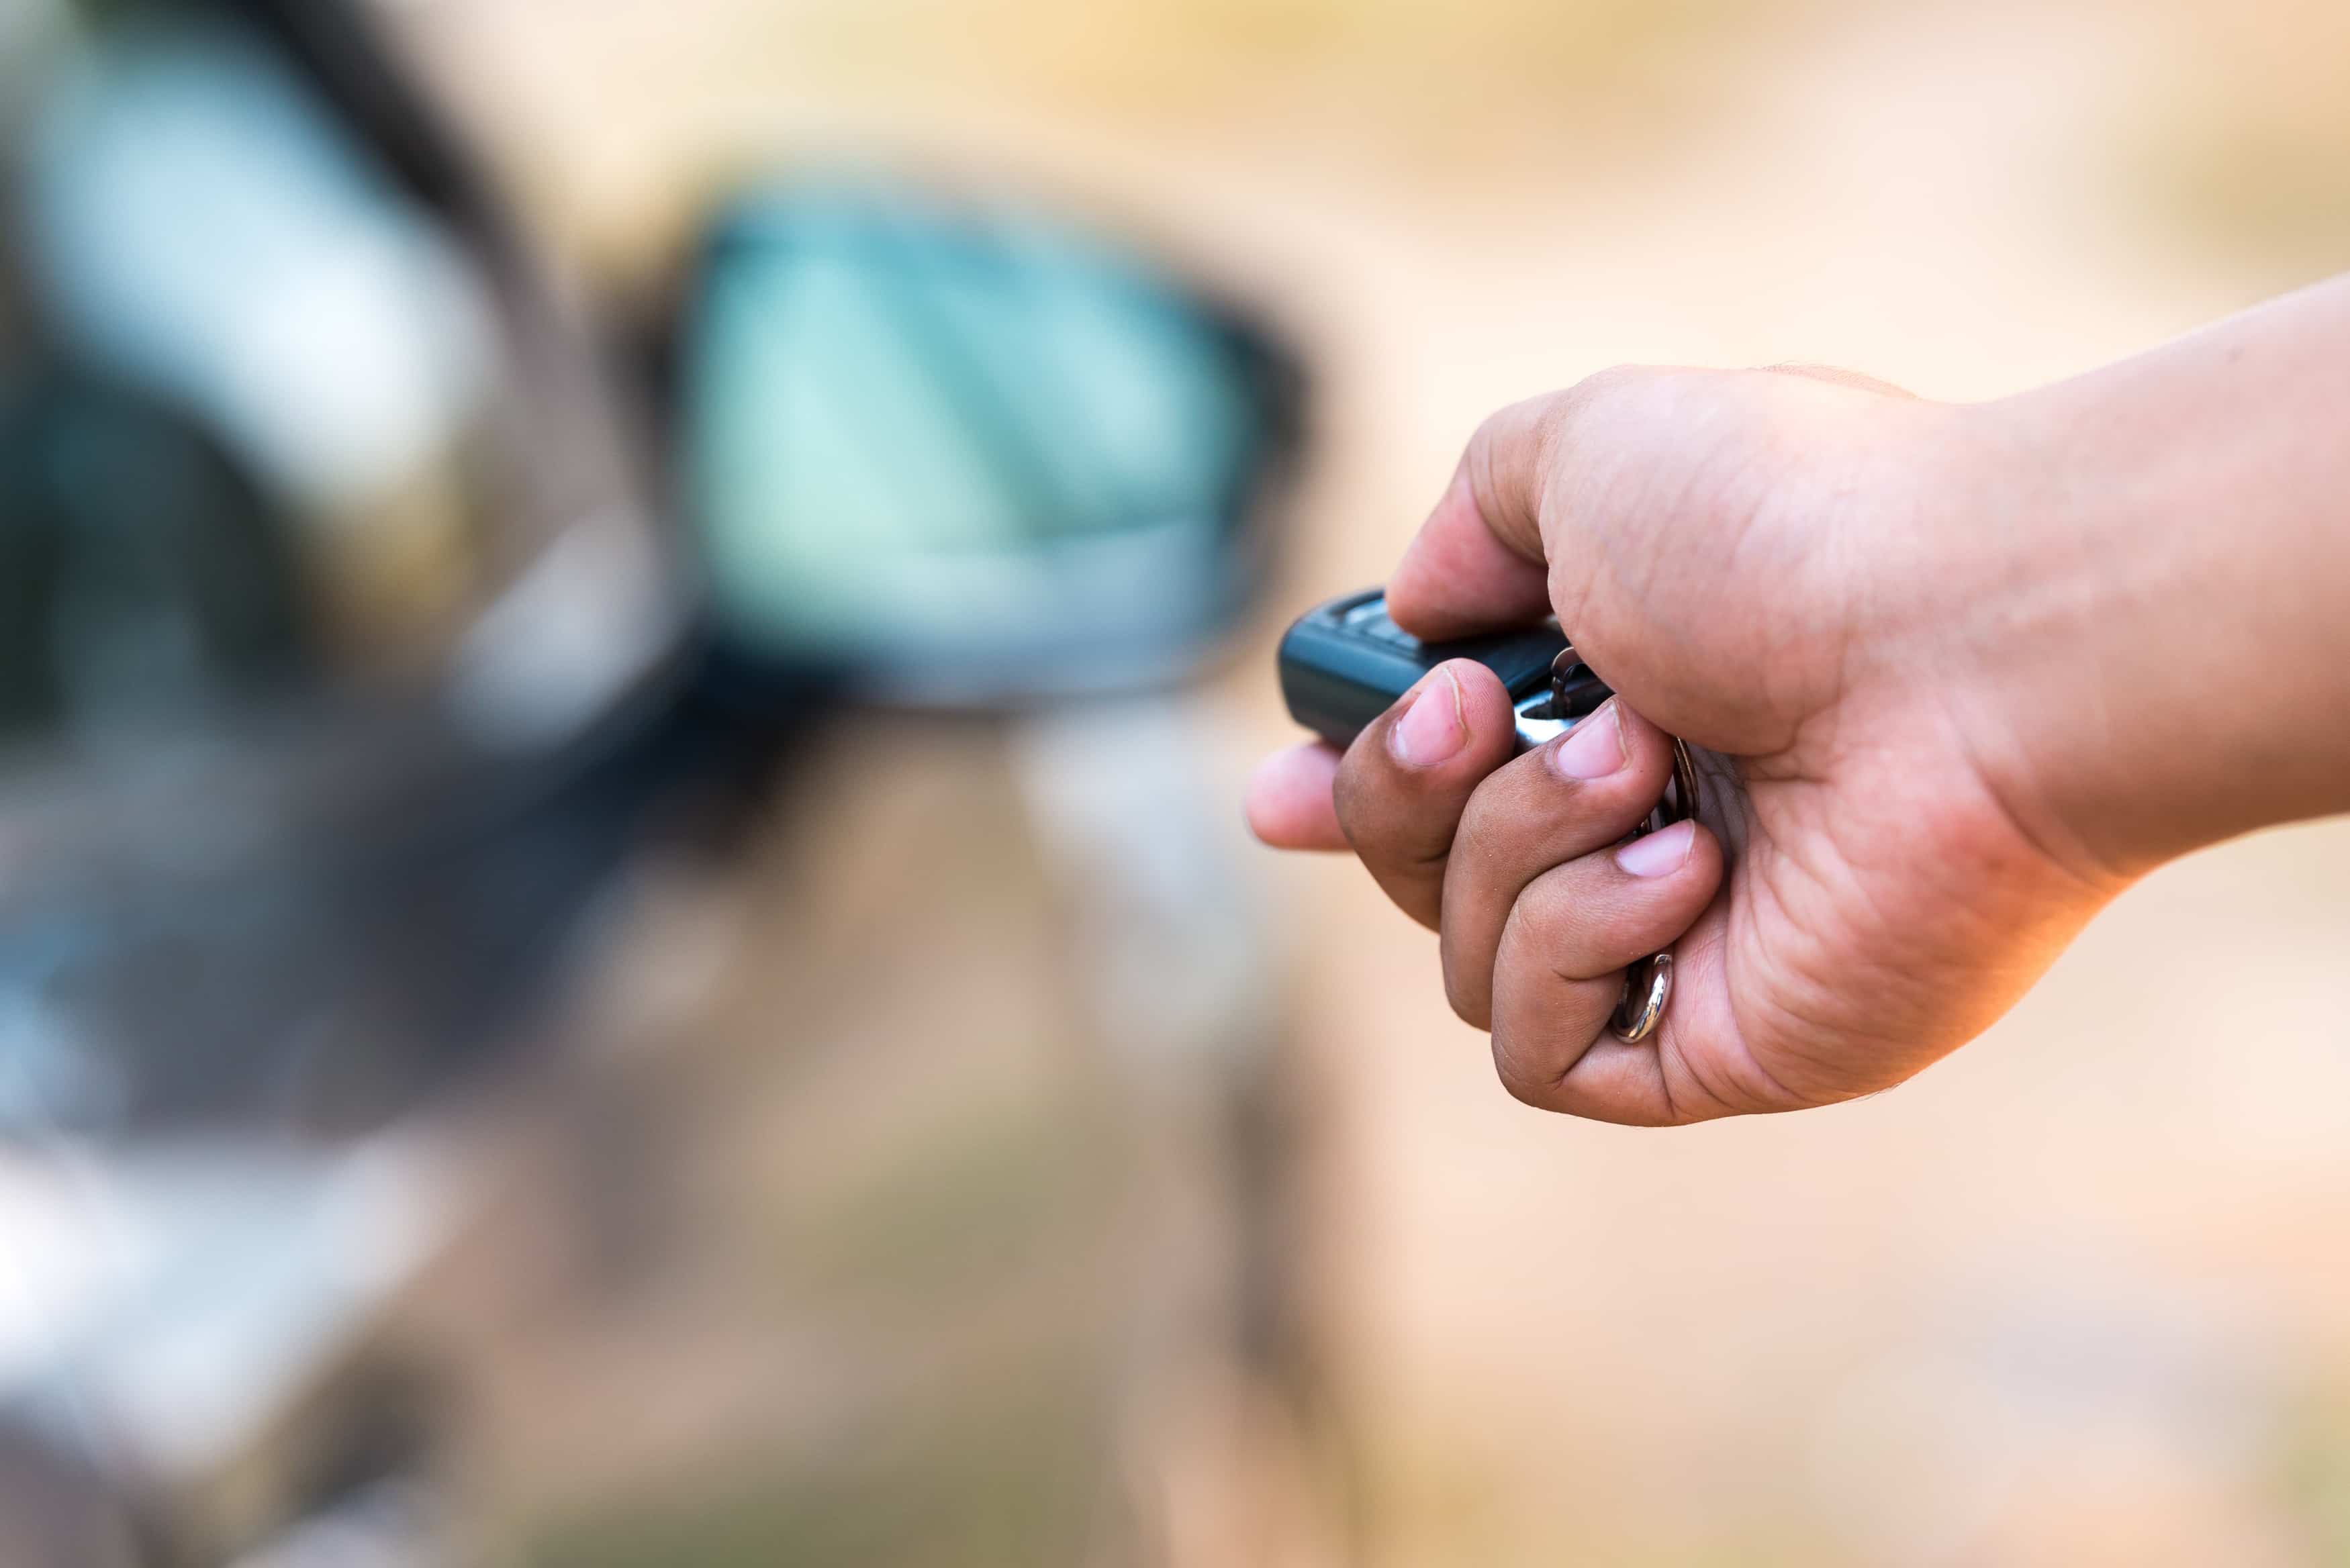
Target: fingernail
pixel 1659 854
pixel 1595 748
pixel 1431 729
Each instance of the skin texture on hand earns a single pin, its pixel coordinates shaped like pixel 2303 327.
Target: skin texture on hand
pixel 1929 660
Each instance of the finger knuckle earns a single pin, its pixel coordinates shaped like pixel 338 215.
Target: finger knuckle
pixel 1544 915
pixel 1603 390
pixel 1469 1004
pixel 1614 378
pixel 1525 1086
pixel 1483 832
pixel 1557 929
pixel 1622 418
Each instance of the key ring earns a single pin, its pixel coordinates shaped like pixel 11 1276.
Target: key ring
pixel 1647 984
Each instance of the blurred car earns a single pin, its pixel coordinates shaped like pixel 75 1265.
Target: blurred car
pixel 352 629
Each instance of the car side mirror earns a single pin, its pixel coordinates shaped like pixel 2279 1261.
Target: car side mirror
pixel 966 456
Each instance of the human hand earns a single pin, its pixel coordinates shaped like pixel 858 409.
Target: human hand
pixel 1813 580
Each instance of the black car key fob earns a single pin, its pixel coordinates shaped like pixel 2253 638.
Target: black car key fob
pixel 1345 663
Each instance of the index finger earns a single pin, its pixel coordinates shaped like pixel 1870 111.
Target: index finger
pixel 1289 803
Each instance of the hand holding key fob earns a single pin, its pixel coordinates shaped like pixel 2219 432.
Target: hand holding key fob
pixel 1345 663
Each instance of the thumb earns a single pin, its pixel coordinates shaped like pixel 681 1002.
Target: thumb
pixel 1476 564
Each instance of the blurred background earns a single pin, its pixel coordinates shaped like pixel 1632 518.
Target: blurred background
pixel 628 638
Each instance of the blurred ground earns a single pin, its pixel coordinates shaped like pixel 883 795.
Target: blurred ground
pixel 2075 1297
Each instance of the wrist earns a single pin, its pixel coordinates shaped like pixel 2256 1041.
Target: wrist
pixel 2163 638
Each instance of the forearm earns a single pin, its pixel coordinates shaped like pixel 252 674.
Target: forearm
pixel 2169 626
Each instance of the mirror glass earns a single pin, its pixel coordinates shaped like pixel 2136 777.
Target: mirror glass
pixel 965 453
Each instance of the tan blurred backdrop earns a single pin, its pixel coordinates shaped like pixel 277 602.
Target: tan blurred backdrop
pixel 2080 1295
